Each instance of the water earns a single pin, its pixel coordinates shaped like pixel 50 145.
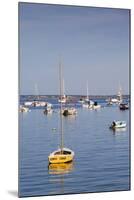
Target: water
pixel 101 156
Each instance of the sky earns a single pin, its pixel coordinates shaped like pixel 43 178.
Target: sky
pixel 91 43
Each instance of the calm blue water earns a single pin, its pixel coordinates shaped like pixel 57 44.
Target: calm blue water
pixel 101 156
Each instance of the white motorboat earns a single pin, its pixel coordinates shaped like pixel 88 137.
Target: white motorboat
pixel 23 109
pixel 118 124
pixel 81 101
pixel 28 103
pixel 69 111
pixel 95 106
pixel 62 99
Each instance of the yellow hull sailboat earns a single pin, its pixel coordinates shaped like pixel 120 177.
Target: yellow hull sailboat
pixel 62 155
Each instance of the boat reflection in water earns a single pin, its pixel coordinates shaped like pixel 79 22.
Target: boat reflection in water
pixel 60 168
pixel 119 130
pixel 59 175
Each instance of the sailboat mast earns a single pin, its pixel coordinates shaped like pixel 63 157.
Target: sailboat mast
pixel 87 90
pixel 61 91
pixel 36 91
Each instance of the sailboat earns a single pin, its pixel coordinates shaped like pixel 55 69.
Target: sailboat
pixel 36 102
pixel 63 97
pixel 116 100
pixel 63 154
pixel 87 103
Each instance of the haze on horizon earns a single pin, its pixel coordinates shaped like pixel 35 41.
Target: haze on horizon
pixel 92 43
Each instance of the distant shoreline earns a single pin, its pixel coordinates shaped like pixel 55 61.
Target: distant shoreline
pixel 73 96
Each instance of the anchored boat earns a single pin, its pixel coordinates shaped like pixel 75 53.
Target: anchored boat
pixel 24 109
pixel 118 124
pixel 69 111
pixel 62 155
pixel 124 106
pixel 48 109
pixel 63 97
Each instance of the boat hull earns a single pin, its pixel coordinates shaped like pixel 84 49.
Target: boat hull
pixel 60 158
pixel 118 125
pixel 57 157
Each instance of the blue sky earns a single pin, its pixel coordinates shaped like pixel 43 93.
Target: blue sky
pixel 93 44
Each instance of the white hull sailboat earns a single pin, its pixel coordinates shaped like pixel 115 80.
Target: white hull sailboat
pixel 63 97
pixel 116 100
pixel 62 155
pixel 87 102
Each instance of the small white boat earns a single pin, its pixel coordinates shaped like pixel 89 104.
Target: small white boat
pixel 28 103
pixel 40 104
pixel 118 124
pixel 69 111
pixel 63 99
pixel 35 103
pixel 48 108
pixel 24 109
pixel 94 106
pixel 116 100
pixel 81 100
pixel 88 104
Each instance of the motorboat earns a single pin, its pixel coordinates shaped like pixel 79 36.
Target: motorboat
pixel 24 109
pixel 81 100
pixel 118 124
pixel 62 99
pixel 124 106
pixel 69 111
pixel 28 103
pixel 94 106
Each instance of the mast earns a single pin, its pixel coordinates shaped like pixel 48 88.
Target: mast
pixel 36 91
pixel 63 88
pixel 87 91
pixel 61 119
pixel 119 93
